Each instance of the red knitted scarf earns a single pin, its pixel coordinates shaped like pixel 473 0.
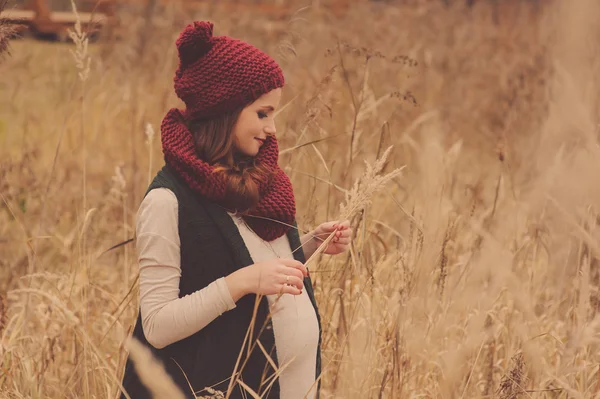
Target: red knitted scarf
pixel 276 198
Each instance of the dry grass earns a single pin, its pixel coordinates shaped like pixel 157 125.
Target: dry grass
pixel 152 373
pixel 6 31
pixel 474 274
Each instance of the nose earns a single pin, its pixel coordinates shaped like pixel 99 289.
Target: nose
pixel 270 129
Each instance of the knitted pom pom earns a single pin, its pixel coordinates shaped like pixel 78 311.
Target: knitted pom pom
pixel 194 41
pixel 219 74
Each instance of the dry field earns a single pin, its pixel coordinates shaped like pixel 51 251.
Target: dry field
pixel 474 273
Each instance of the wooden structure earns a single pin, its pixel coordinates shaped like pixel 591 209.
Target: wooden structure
pixel 37 17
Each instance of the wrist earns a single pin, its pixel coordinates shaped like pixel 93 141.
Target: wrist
pixel 237 282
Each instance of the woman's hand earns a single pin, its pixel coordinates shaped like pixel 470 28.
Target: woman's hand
pixel 275 276
pixel 339 244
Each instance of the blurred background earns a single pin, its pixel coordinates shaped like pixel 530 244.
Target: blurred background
pixel 474 274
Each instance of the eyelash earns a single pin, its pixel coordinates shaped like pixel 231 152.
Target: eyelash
pixel 262 115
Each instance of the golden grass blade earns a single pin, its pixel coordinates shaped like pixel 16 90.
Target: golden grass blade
pixel 86 221
pixel 239 365
pixel 286 150
pixel 282 108
pixel 248 389
pixel 321 158
pixel 337 187
pixel 408 215
pixel 269 359
pixel 151 372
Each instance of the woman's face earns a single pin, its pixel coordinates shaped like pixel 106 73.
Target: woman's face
pixel 255 123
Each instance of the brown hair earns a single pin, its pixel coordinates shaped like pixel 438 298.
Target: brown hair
pixel 242 174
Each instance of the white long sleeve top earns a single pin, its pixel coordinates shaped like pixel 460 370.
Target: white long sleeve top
pixel 166 318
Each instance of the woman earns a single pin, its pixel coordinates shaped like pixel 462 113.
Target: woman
pixel 216 230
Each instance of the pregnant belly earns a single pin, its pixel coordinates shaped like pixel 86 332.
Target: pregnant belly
pixel 295 328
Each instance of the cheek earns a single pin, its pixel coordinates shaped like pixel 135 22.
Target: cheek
pixel 247 135
pixel 244 137
pixel 247 128
pixel 252 130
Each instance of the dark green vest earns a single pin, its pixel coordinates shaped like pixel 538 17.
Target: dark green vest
pixel 211 248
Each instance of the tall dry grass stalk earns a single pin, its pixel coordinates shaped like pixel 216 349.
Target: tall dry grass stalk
pixel 473 274
pixel 83 64
pixel 152 373
pixel 6 31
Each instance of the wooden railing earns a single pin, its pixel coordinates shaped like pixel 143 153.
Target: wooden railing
pixel 37 16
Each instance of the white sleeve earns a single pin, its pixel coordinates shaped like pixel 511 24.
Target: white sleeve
pixel 166 318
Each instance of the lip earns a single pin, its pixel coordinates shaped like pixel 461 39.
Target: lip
pixel 262 141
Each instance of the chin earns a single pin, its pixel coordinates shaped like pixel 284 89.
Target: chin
pixel 251 153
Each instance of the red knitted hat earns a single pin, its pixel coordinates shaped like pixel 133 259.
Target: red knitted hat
pixel 217 74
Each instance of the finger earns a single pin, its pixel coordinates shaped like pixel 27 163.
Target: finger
pixel 339 236
pixel 293 281
pixel 344 225
pixel 291 263
pixel 345 237
pixel 292 272
pixel 290 289
pixel 329 226
pixel 342 235
pixel 343 241
pixel 324 236
pixel 346 234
